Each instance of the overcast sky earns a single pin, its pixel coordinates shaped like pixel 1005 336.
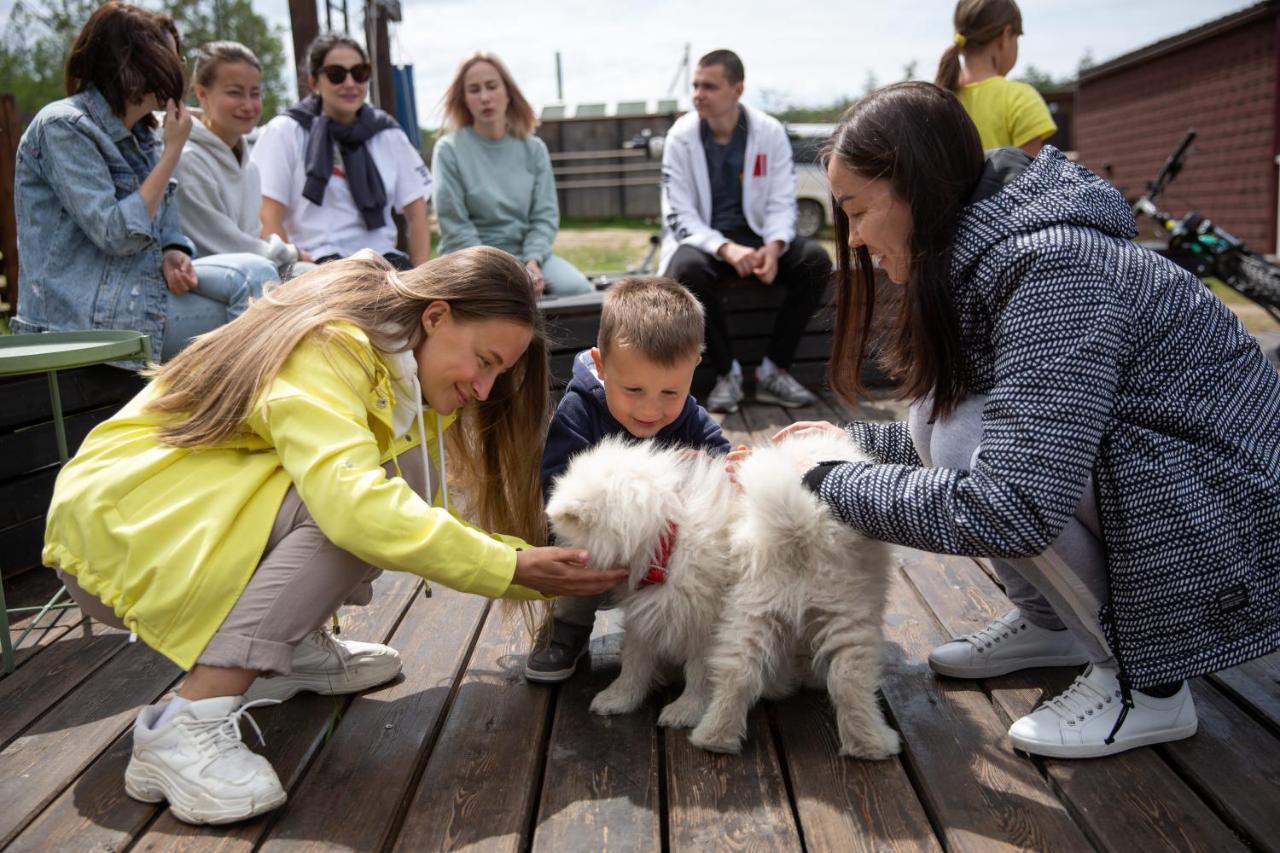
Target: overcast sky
pixel 795 51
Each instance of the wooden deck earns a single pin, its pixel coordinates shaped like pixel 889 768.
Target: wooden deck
pixel 461 753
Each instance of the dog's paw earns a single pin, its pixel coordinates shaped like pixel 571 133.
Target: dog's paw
pixel 610 701
pixel 683 713
pixel 886 744
pixel 715 740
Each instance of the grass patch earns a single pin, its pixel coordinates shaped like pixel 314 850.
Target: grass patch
pixel 573 223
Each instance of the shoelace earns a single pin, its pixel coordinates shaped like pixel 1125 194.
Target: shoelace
pixel 221 734
pixel 1079 701
pixel 986 637
pixel 335 648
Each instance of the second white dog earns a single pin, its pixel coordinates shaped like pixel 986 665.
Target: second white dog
pixel 735 587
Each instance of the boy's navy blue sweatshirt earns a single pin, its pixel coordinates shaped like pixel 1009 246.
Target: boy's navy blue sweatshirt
pixel 582 419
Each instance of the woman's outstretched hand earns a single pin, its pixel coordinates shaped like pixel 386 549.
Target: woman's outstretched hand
pixel 563 571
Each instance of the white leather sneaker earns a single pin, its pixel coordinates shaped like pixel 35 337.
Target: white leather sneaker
pixel 198 763
pixel 324 664
pixel 1077 722
pixel 1008 644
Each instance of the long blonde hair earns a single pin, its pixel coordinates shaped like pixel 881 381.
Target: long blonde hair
pixel 520 116
pixel 977 23
pixel 215 382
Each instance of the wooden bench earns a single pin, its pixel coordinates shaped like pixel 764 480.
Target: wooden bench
pixel 750 307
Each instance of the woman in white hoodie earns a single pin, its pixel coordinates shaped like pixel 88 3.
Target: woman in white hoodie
pixel 219 193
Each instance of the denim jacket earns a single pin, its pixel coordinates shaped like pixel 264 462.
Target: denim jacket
pixel 89 254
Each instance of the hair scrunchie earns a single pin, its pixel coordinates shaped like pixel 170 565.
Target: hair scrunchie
pixel 960 40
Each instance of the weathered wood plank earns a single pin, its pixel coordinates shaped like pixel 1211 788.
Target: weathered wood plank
pixel 96 813
pixel 31 690
pixel 51 754
pixel 601 780
pixel 349 798
pixel 1232 761
pixel 1256 684
pixel 845 804
pixel 1122 801
pixel 478 790
pixel 978 791
pixel 294 731
pixel 729 802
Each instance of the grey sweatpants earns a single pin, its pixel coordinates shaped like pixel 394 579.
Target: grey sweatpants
pixel 1067 584
pixel 301 580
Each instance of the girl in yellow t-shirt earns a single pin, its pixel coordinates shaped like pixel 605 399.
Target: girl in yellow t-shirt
pixel 1007 113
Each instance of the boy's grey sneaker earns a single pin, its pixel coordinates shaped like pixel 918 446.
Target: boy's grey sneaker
pixel 782 389
pixel 727 394
pixel 557 660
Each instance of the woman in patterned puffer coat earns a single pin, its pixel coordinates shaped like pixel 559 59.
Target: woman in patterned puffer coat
pixel 1086 415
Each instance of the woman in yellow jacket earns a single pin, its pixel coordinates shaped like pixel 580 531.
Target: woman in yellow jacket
pixel 1008 113
pixel 252 488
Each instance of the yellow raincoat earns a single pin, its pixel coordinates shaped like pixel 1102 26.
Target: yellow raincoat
pixel 168 537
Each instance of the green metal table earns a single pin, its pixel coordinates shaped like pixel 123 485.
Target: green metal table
pixel 47 353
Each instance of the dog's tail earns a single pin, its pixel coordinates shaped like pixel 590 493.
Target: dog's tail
pixel 776 507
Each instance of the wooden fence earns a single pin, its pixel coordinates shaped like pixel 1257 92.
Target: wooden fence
pixel 597 176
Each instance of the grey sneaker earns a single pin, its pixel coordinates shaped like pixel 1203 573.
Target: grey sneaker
pixel 727 394
pixel 782 389
pixel 557 660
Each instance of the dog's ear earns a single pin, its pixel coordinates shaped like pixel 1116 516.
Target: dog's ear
pixel 572 512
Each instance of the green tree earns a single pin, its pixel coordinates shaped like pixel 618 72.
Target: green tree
pixel 1043 81
pixel 33 49
pixel 38 34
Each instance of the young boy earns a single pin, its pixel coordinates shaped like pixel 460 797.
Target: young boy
pixel 636 382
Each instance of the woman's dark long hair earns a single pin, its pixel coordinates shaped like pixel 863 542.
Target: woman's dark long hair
pixel 917 137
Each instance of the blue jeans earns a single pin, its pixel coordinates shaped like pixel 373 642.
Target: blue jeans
pixel 225 285
pixel 562 278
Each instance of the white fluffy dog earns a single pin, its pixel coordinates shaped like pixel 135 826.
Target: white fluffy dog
pixel 751 591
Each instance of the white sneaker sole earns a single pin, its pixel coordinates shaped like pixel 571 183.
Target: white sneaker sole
pixel 1006 667
pixel 1099 750
pixel 285 687
pixel 766 397
pixel 149 783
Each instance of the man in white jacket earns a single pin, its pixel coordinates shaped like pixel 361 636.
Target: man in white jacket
pixel 729 210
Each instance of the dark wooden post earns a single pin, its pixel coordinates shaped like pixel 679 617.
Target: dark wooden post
pixel 305 24
pixel 10 130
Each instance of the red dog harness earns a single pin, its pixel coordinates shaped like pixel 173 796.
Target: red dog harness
pixel 658 565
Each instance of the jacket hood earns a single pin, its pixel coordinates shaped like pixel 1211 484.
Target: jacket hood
pixel 1017 196
pixel 204 140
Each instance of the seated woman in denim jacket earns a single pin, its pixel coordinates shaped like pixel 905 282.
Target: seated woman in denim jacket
pixel 99 242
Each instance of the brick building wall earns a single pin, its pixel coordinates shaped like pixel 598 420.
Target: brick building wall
pixel 1222 80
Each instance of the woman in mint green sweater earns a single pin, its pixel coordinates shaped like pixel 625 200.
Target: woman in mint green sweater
pixel 494 185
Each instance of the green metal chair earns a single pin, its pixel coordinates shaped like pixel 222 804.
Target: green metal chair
pixel 47 353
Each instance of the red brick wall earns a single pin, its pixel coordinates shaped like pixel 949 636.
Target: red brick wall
pixel 1225 86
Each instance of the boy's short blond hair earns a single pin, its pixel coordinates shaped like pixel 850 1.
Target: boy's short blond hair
pixel 657 317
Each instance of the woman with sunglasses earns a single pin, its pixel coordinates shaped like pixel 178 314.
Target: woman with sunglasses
pixel 333 167
pixel 99 238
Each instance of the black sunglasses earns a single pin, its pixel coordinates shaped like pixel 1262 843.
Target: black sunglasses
pixel 337 73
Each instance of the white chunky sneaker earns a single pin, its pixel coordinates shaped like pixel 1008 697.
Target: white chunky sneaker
pixel 1078 722
pixel 199 764
pixel 324 664
pixel 1008 644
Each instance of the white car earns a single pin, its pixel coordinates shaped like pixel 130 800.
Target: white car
pixel 813 194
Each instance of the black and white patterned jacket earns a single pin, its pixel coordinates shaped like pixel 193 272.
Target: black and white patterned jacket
pixel 1102 358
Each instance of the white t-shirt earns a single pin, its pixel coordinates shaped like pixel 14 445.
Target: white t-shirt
pixel 336 226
